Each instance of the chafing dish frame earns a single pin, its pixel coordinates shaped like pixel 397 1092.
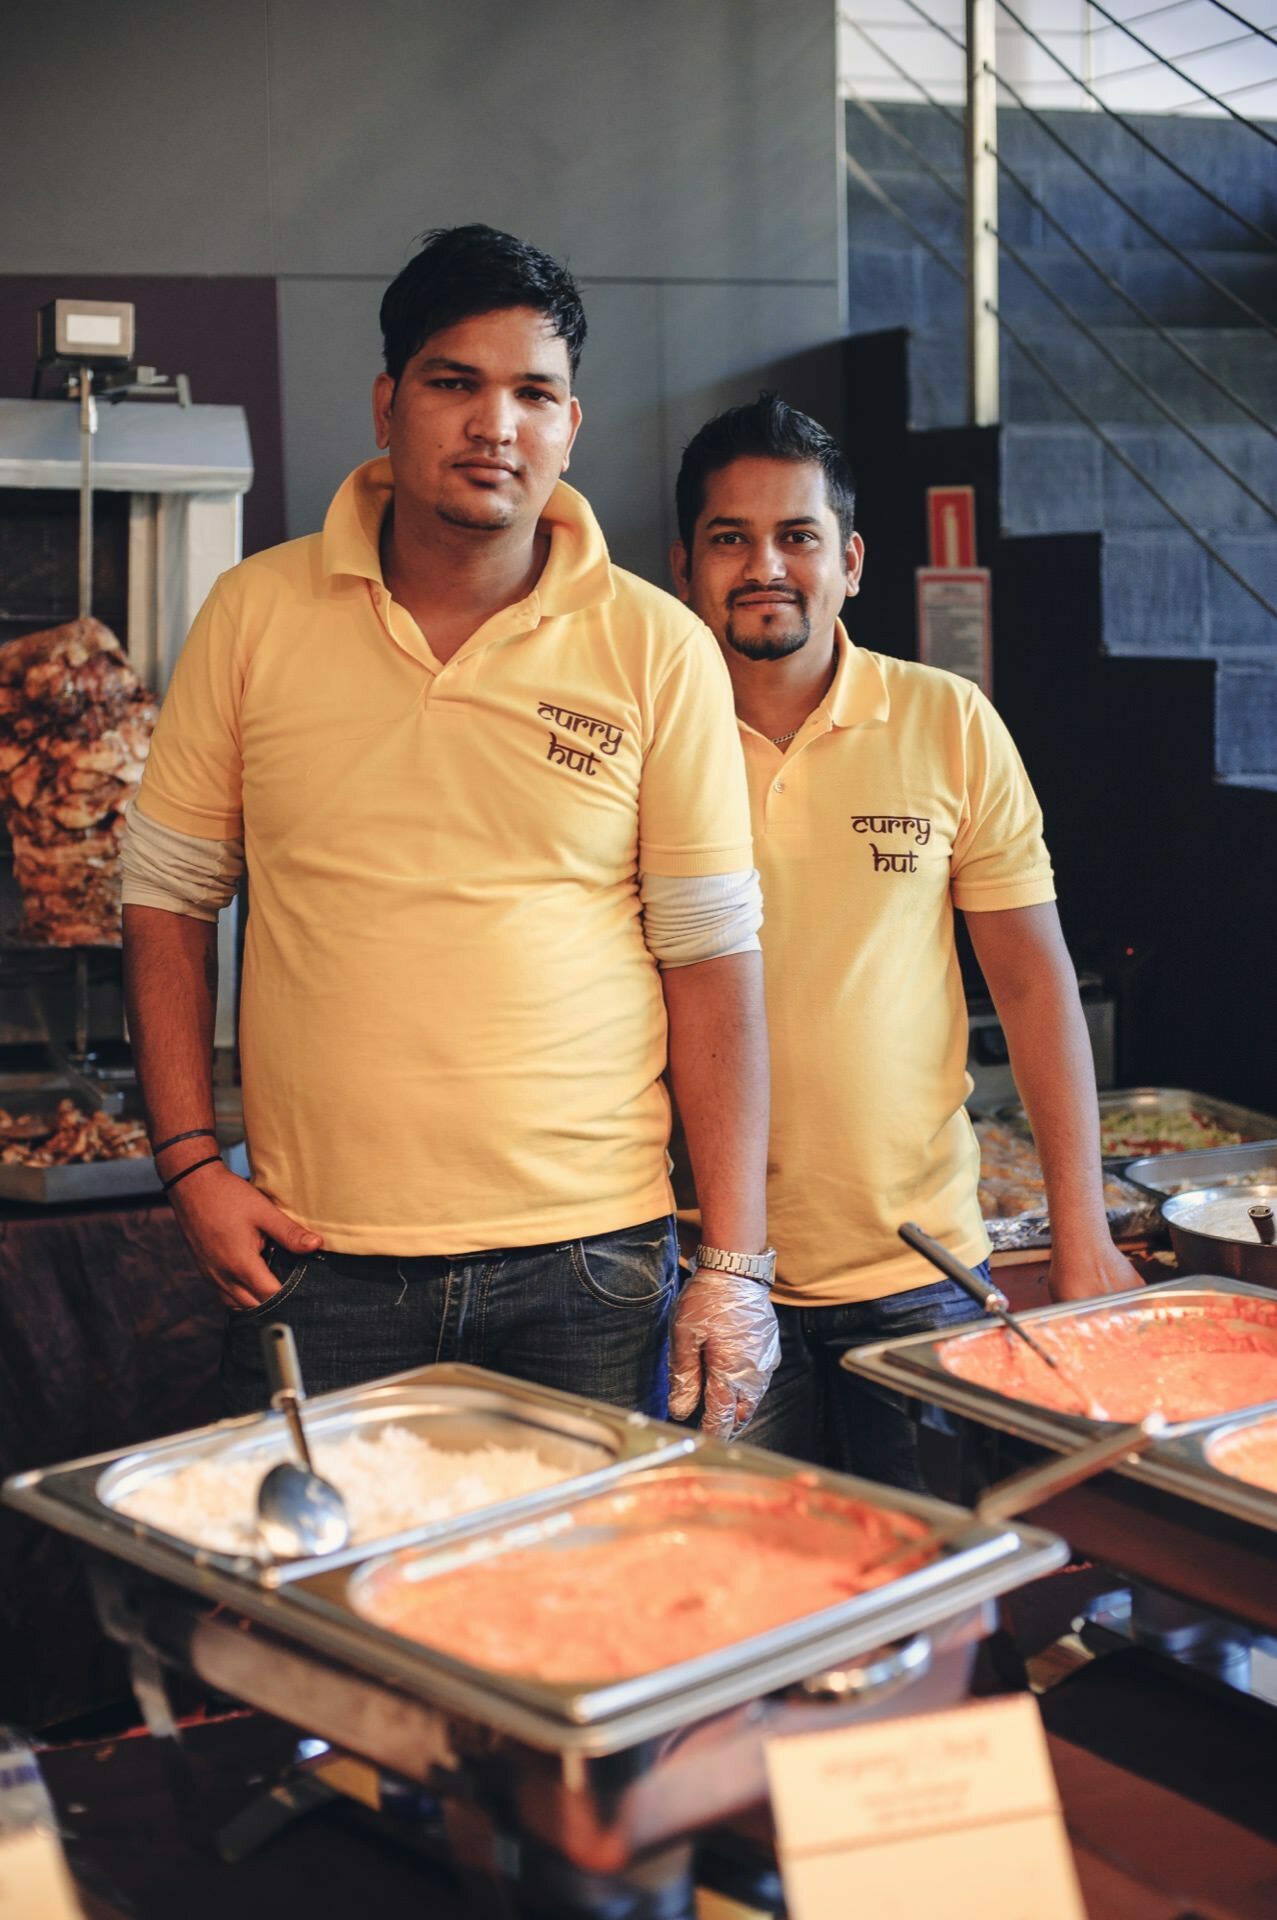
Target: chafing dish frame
pixel 72 1496
pixel 1164 1517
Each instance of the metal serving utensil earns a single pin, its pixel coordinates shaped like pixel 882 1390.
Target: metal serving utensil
pixel 1033 1485
pixel 994 1301
pixel 299 1515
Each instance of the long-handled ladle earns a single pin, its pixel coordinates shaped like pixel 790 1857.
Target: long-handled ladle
pixel 994 1301
pixel 298 1514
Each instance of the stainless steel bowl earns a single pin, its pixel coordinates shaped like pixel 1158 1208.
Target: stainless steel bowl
pixel 1212 1231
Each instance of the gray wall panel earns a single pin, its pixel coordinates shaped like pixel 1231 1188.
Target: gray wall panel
pixel 679 154
pixel 329 349
pixel 657 141
pixel 135 138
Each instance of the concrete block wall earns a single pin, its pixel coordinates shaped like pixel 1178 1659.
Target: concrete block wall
pixel 1161 594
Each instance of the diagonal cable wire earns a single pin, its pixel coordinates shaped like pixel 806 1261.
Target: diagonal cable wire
pixel 1255 318
pixel 1186 53
pixel 1132 468
pixel 1149 393
pixel 1179 73
pixel 1142 139
pixel 1096 340
pixel 1114 286
pixel 1136 306
pixel 1219 4
pixel 880 194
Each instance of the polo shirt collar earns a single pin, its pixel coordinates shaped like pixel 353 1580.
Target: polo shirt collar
pixel 578 573
pixel 858 694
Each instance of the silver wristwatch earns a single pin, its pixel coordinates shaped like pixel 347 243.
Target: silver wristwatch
pixel 743 1266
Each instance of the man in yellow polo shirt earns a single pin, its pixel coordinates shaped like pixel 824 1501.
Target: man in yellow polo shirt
pixel 488 791
pixel 884 795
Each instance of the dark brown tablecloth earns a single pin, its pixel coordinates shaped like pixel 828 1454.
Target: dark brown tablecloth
pixel 108 1335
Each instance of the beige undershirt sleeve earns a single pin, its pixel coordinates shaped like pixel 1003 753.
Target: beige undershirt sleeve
pixel 689 918
pixel 178 872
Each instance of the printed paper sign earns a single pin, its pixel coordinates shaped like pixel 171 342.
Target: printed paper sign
pixel 953 1815
pixel 955 628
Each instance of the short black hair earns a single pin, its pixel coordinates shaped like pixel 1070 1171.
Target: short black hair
pixel 767 429
pixel 461 271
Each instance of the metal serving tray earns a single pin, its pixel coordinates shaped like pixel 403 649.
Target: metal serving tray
pixel 91 1179
pixel 983 1562
pixel 453 1406
pixel 1169 1100
pixel 1163 1174
pixel 915 1364
pixel 1164 1517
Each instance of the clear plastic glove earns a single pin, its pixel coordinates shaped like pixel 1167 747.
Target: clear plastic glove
pixel 726 1342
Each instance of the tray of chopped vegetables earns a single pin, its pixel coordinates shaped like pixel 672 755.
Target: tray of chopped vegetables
pixel 1136 1122
pixel 1013 1193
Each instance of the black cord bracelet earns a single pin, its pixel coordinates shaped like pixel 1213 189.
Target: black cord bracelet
pixel 196 1133
pixel 193 1168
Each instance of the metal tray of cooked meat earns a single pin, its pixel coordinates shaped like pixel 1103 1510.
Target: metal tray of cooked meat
pixel 1176 1107
pixel 31 1097
pixel 457 1409
pixel 334 1611
pixel 916 1364
pixel 1164 1174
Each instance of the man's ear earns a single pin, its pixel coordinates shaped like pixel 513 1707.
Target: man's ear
pixel 855 560
pixel 681 569
pixel 383 400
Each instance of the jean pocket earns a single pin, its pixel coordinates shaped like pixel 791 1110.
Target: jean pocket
pixel 285 1291
pixel 636 1267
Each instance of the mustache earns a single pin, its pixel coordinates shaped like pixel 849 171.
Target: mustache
pixel 789 594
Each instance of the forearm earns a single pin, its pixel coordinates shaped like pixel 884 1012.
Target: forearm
pixel 719 1072
pixel 170 987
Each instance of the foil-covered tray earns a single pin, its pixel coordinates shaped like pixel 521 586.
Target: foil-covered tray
pixel 1172 1103
pixel 455 1407
pixel 1013 1193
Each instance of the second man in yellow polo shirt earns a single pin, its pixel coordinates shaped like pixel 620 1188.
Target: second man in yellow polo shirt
pixel 884 795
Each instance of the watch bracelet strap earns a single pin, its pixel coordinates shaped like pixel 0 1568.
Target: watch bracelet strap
pixel 726 1264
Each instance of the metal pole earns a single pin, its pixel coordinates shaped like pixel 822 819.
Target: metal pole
pixel 88 427
pixel 982 215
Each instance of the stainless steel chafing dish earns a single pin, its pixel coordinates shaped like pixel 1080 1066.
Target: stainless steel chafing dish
pixel 454 1407
pixel 596 1773
pixel 1163 1518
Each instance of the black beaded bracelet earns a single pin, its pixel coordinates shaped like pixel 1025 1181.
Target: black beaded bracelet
pixel 193 1168
pixel 196 1133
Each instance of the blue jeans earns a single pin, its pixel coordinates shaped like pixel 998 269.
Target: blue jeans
pixel 589 1316
pixel 815 1410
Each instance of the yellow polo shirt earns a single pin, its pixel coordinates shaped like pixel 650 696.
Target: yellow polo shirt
pixel 901 798
pixel 452 1030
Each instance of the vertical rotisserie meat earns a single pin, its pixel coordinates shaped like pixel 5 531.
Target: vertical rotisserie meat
pixel 75 730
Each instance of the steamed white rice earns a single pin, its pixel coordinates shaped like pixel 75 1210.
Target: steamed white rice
pixel 390 1480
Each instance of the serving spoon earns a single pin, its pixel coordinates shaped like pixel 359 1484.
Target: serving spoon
pixel 299 1515
pixel 994 1301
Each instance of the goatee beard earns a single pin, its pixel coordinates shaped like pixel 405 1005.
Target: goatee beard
pixel 770 646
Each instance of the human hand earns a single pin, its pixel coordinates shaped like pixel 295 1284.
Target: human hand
pixel 1078 1273
pixel 726 1343
pixel 225 1221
